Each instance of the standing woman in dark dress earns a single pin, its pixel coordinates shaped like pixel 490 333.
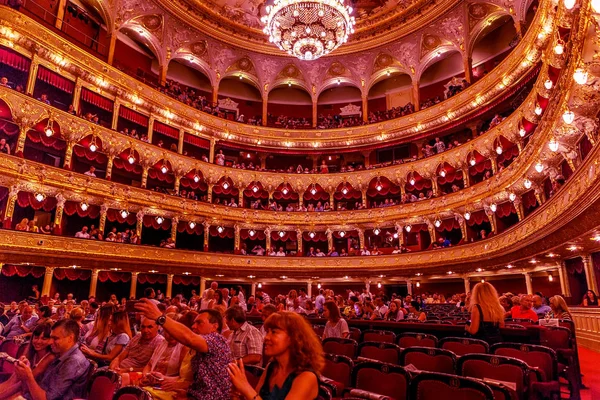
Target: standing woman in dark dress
pixel 297 357
pixel 487 314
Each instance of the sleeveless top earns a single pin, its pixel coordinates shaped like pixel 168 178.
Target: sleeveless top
pixel 592 303
pixel 278 393
pixel 4 149
pixel 488 331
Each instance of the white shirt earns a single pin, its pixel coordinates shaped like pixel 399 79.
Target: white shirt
pixel 89 173
pixel 280 254
pixel 82 235
pixel 365 252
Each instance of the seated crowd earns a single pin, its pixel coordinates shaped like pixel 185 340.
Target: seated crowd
pixel 198 347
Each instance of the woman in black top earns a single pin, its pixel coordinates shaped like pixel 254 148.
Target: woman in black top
pixel 590 299
pixel 487 314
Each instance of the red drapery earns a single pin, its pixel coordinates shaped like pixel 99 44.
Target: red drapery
pixel 319 237
pixel 320 194
pixel 73 207
pixel 151 222
pixel 420 183
pixel 166 130
pixel 418 228
pixel 85 152
pixel 157 174
pixel 387 187
pixel 348 234
pixel 114 276
pixel 226 233
pixel 133 116
pixel 72 274
pixel 450 177
pixel 258 235
pixel 8 128
pixel 184 226
pixel 114 215
pixel 56 80
pixel 260 193
pixel 574 265
pixel 14 60
pixel 97 100
pixel 287 236
pixel 508 154
pixel 3 192
pixel 37 135
pixel 477 218
pixel 146 277
pixel 25 199
pixel 23 270
pixel 505 209
pixel 480 167
pixel 196 141
pixel 290 195
pixel 186 280
pixel 448 225
pixel 230 191
pixel 529 200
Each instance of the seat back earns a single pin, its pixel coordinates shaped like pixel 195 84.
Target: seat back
pixel 103 384
pixel 429 359
pixel 540 357
pixel 324 392
pixel 340 346
pixel 410 339
pixel 253 374
pixel 380 351
pixel 381 378
pixel 355 334
pixel 339 369
pixel 434 386
pixel 555 337
pixel 319 329
pixel 132 393
pixel 378 336
pixel 461 346
pixel 12 349
pixel 506 369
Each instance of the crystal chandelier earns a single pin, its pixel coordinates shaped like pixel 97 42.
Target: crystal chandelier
pixel 308 29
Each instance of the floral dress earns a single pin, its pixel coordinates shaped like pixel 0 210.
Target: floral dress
pixel 211 379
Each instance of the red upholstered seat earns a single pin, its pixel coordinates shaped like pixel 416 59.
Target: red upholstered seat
pixel 355 334
pixel 380 378
pixel 132 393
pixel 339 369
pixel 340 346
pixel 410 339
pixel 14 350
pixel 429 359
pixel 435 386
pixel 494 367
pixel 462 346
pixel 378 336
pixel 380 351
pixel 103 384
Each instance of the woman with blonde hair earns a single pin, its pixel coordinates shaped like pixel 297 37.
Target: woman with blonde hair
pixel 292 295
pixel 487 314
pixel 23 225
pixel 108 349
pixel 559 308
pixel 297 357
pixel 101 327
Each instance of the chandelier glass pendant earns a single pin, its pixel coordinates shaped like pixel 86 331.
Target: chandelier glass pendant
pixel 308 29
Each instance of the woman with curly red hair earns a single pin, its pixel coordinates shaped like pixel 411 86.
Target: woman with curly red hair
pixel 297 359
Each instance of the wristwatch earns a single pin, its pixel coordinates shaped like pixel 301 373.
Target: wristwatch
pixel 160 321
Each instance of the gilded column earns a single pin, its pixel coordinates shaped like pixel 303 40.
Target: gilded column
pixel 492 218
pixel 68 155
pixel 140 224
pixel 309 288
pixel 540 196
pixel 102 223
pixel 169 293
pixel 435 187
pixel 109 166
pixel 519 208
pixel 206 234
pixel 590 274
pixel 367 156
pixel 365 109
pixel 299 240
pixel 10 206
pixel 150 129
pixel 466 177
pixel 174 223
pixel 60 14
pixel 494 162
pixel 210 192
pixel 268 240
pixel 265 103
pixel 467 284
pixel 163 73
pixel 332 200
pixel 77 94
pixel 177 183
pixel 202 285
pixel 60 206
pixel 145 175
pixel 180 142
pixel 364 197
pixel 564 279
pixel 253 289
pixel 399 234
pixel 314 113
pixel 409 287
pixel 361 238
pixel 528 282
pixel 47 281
pixel 416 96
pixel 241 197
pixel 329 240
pixel 463 228
pixel 21 140
pixel 133 286
pixel 215 94
pixel 111 47
pixel 93 283
pixel 211 154
pixel 115 117
pixel 33 70
pixel 236 239
pixel 468 64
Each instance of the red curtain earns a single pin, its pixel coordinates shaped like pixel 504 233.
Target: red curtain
pixel 133 116
pixel 480 167
pixel 319 237
pixel 291 195
pixel 72 274
pixel 95 99
pixel 387 187
pixel 152 279
pixel 508 154
pixel 287 236
pixel 186 280
pixel 114 276
pixel 25 199
pixel 505 209
pixel 14 60
pixel 418 228
pixel 23 270
pixel 184 226
pixel 450 177
pixel 420 183
pixel 448 225
pixel 230 191
pixel 227 232
pixel 574 265
pixel 157 174
pixel 189 183
pixel 3 192
pixel 529 200
pixel 166 130
pixel 53 141
pixel 348 234
pixel 151 222
pixel 114 215
pixel 477 218
pixel 196 141
pixel 320 195
pixel 8 128
pixel 258 235
pixel 73 207
pixel 56 80
pixel 85 152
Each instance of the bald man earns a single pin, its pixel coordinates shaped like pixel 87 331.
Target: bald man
pixel 21 324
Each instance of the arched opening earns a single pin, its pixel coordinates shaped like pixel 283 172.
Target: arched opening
pixel 45 144
pixel 9 131
pixel 134 55
pixel 333 110
pixel 435 80
pixel 390 97
pixel 15 67
pixel 239 98
pixel 492 45
pixel 449 179
pixel 187 82
pixel 88 153
pixel 289 107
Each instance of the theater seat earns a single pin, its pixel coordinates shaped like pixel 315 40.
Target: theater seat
pixel 253 374
pixel 436 386
pixel 14 350
pixel 378 336
pixel 409 339
pixel 461 346
pixel 132 393
pixel 429 359
pixel 340 346
pixel 103 384
pixel 380 351
pixel 381 379
pixel 339 370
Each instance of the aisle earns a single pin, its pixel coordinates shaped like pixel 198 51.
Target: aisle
pixel 590 368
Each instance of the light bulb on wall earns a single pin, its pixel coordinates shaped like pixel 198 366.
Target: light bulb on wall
pixel 538 110
pixel 164 169
pixel 220 229
pixel 48 130
pixel 548 84
pixel 539 167
pixel 255 189
pixel 93 146
pixel 311 235
pixel 437 223
pixel 378 285
pixel 376 231
pixel 568 116
pixel 131 159
pixel 553 145
pixel 472 161
pixel 493 207
pixel 408 228
pixel 512 196
pixel 342 233
pixel 251 232
pixel 160 220
pixel 84 206
pixel 281 234
pixel 522 132
pixel 284 191
pixel 318 286
pixel 467 215
pixel 499 149
pixel 443 173
pixel 40 197
pixel 192 224
pixel 550 277
pixel 124 214
pixel 559 48
pixel 196 178
pixel 596 6
pixel 418 284
pixel 580 76
pixel 569 4
pixel 259 285
pixel 225 185
pixel 527 183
